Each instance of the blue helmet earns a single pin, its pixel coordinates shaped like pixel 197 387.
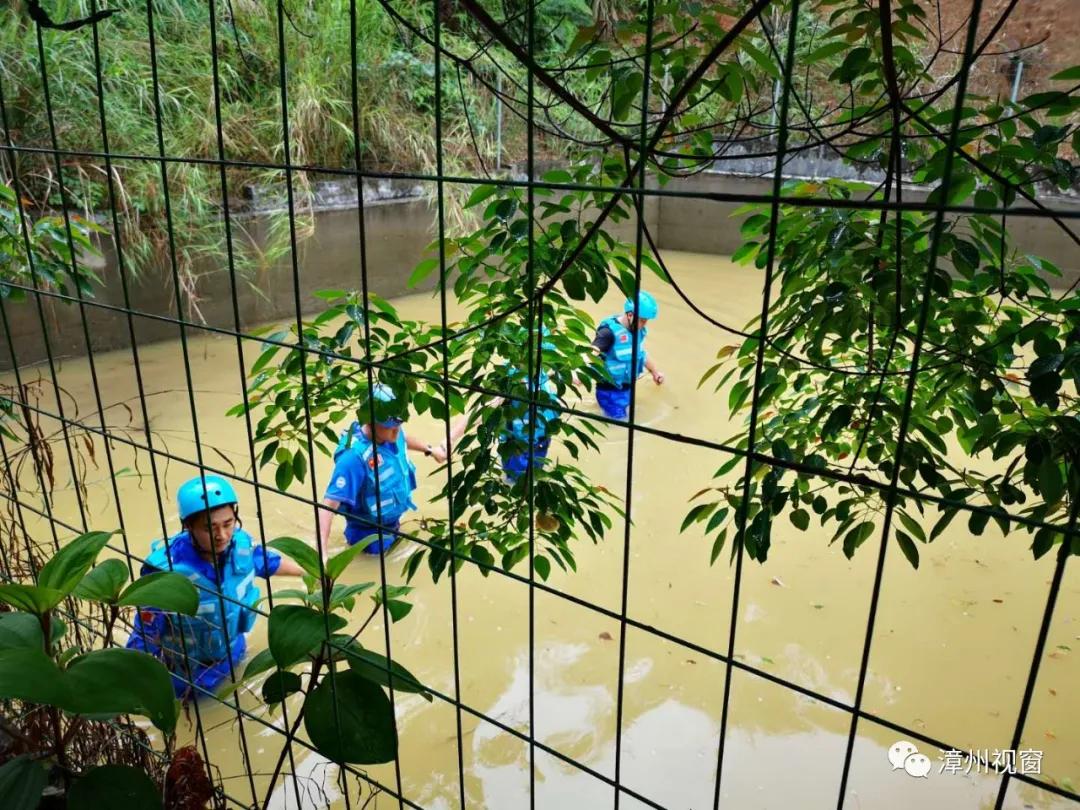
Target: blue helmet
pixel 387 411
pixel 646 308
pixel 200 494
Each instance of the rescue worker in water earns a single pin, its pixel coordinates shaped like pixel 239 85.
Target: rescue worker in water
pixel 378 450
pixel 614 342
pixel 519 446
pixel 222 560
pixel 522 446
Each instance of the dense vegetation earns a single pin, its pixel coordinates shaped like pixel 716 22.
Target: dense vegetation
pixel 168 92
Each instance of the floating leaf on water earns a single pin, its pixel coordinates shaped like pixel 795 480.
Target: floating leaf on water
pixel 606 636
pixel 778 582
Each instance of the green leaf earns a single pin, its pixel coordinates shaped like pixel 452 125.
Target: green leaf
pixel 481 556
pixel 280 685
pixel 1071 74
pixel 907 545
pixel 113 786
pixel 745 252
pixel 398 609
pixel 330 295
pixel 1043 542
pixel 1044 389
pixel 296 630
pixel 70 564
pixel 837 421
pixel 375 668
pixel 284 475
pixel 31 598
pixel 718 546
pixel 852 66
pixel 21 781
pixel 337 564
pixel 763 61
pixel 262 661
pixel 423 269
pixel 299 551
pixel 262 361
pixel 960 188
pixel 1051 481
pixel 340 593
pixel 103 584
pixel 856 537
pixel 360 729
pixel 29 674
pixel 480 193
pixel 20 630
pixel 166 590
pixel 699 512
pixel 623 95
pixel 542 565
pixel 299 466
pixel 119 681
pixel 911 525
pixel 825 51
pixel 942 523
pixel 977 522
pixel 800 518
pixel 754 225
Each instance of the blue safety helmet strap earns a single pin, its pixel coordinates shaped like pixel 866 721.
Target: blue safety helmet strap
pixel 206 492
pixel 646 308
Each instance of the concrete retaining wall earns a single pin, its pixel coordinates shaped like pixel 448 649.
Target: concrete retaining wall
pixel 397 232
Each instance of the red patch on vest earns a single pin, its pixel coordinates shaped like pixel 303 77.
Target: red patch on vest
pixel 373 460
pixel 147 616
pixel 623 338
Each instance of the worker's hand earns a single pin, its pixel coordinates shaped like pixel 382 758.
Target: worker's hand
pixel 438 452
pixel 658 377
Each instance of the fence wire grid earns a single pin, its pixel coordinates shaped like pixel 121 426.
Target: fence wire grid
pixel 636 188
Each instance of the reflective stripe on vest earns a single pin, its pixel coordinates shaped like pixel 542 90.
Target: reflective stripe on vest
pixel 617 359
pixel 396 473
pixel 205 633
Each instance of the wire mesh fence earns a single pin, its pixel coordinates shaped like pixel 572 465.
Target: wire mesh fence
pixel 531 91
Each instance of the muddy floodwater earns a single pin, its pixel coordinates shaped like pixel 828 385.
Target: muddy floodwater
pixel 950 656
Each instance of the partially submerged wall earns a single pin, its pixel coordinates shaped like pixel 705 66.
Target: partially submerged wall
pixel 397 231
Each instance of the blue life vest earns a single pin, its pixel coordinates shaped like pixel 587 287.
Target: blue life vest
pixel 519 427
pixel 397 475
pixel 205 633
pixel 617 359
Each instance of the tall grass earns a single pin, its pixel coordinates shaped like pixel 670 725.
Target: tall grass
pixel 397 127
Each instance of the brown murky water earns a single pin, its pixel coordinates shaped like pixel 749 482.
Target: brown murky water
pixel 950 655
